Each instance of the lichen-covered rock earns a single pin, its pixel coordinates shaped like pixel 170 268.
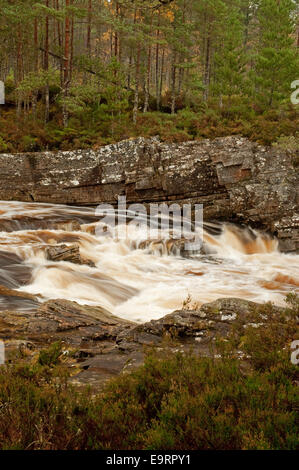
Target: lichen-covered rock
pixel 211 319
pixel 234 178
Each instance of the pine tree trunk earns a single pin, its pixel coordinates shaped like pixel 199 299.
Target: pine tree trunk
pixel 71 47
pixel 88 39
pixel 46 68
pixel 161 76
pixel 36 66
pixel 66 64
pixel 173 84
pixel 59 36
pixel 157 79
pixel 207 68
pixel 116 33
pixel 148 74
pixel 19 73
pixel 136 93
pixel 131 53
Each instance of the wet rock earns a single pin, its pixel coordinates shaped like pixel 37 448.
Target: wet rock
pixel 66 315
pixel 13 273
pixel 234 178
pixel 67 225
pixel 5 291
pixel 70 253
pixel 181 246
pixel 13 299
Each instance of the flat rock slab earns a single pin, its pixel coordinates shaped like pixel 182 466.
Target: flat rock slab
pixel 61 319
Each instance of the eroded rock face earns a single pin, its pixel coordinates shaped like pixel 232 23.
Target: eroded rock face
pixel 234 178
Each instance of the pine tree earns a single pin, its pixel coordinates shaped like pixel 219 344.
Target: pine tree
pixel 276 59
pixel 230 56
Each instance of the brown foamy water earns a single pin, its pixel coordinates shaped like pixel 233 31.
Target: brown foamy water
pixel 137 278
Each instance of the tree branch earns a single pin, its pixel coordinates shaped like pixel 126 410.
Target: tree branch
pixel 98 74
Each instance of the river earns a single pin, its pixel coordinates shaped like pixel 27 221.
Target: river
pixel 136 278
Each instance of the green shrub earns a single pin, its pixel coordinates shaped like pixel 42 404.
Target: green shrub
pixel 50 357
pixel 3 145
pixel 96 125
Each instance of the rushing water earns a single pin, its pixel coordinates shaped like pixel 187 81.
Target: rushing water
pixel 136 278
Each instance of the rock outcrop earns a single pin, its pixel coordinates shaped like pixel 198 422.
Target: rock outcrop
pixel 57 316
pixel 235 179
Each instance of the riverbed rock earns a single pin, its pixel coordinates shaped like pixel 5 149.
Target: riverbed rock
pixel 6 291
pixel 13 272
pixel 235 179
pixel 16 300
pixel 81 326
pixel 68 225
pixel 70 253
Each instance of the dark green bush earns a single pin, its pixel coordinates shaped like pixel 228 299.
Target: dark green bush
pixel 50 356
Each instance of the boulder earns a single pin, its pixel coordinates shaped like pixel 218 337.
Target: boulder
pixel 68 225
pixel 70 253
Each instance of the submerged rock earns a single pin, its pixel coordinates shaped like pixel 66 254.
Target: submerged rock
pixel 6 291
pixel 13 272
